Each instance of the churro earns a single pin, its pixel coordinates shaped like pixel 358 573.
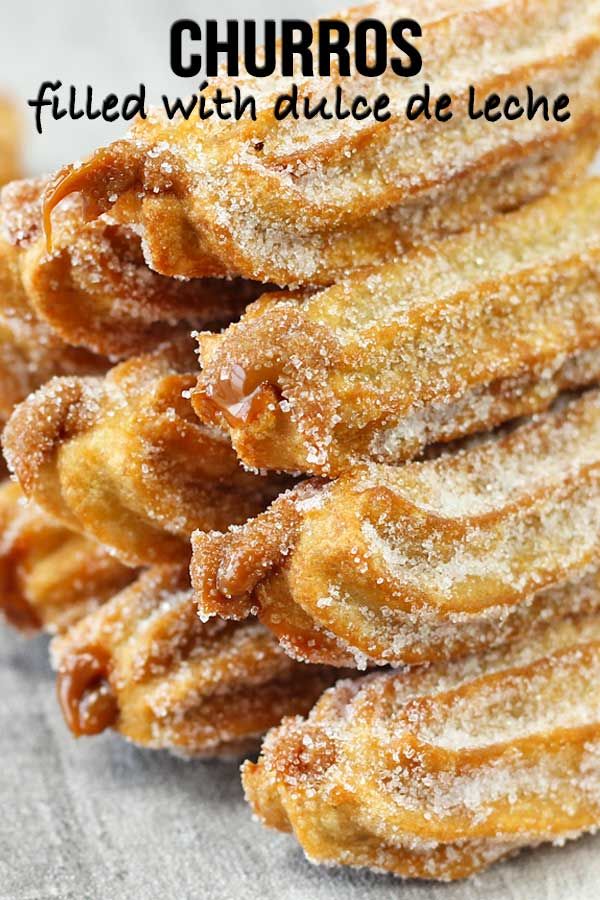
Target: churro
pixel 145 665
pixel 410 564
pixel 304 201
pixel 50 577
pixel 125 460
pixel 456 338
pixel 440 771
pixel 94 289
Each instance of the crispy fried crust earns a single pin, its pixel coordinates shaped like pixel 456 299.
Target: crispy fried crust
pixel 304 201
pixel 125 460
pixel 145 665
pixel 428 560
pixel 50 577
pixel 30 354
pixel 94 289
pixel 437 772
pixel 30 351
pixel 10 142
pixel 456 338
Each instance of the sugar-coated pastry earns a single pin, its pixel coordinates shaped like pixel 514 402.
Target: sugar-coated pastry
pixel 125 460
pixel 31 352
pixel 50 577
pixel 304 200
pixel 439 771
pixel 457 337
pixel 94 289
pixel 410 564
pixel 146 666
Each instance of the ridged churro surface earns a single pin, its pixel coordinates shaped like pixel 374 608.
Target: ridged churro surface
pixel 438 772
pixel 145 665
pixel 31 352
pixel 50 577
pixel 412 563
pixel 125 460
pixel 305 200
pixel 94 289
pixel 456 338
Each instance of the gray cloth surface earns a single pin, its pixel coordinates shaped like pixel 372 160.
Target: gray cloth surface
pixel 97 819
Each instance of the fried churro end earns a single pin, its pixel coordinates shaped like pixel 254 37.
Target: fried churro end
pixel 100 180
pixel 19 613
pixel 86 699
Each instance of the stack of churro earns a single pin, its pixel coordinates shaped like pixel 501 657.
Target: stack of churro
pixel 389 458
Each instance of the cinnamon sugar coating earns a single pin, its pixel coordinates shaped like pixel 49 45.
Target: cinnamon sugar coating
pixel 31 352
pixel 94 289
pixel 50 577
pixel 410 564
pixel 145 665
pixel 304 201
pixel 437 772
pixel 125 460
pixel 457 337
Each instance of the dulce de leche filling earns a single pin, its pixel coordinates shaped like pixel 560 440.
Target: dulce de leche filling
pixel 14 603
pixel 65 183
pixel 238 397
pixel 19 612
pixel 105 173
pixel 84 693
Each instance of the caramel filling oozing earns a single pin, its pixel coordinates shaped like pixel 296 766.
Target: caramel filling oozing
pixel 15 606
pixel 85 696
pixel 236 399
pixel 19 612
pixel 60 187
pixel 72 179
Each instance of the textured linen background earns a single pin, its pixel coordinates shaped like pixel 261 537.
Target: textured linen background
pixel 100 820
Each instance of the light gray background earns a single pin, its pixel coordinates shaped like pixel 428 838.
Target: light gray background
pixel 98 819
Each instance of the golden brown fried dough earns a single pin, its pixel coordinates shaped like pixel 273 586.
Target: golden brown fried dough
pixel 145 665
pixel 30 354
pixel 94 289
pixel 125 460
pixel 30 351
pixel 10 142
pixel 411 564
pixel 304 201
pixel 438 772
pixel 50 577
pixel 456 338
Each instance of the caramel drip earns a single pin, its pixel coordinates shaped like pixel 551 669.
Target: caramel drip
pixel 15 606
pixel 66 182
pixel 19 612
pixel 85 696
pixel 108 171
pixel 236 399
pixel 59 188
